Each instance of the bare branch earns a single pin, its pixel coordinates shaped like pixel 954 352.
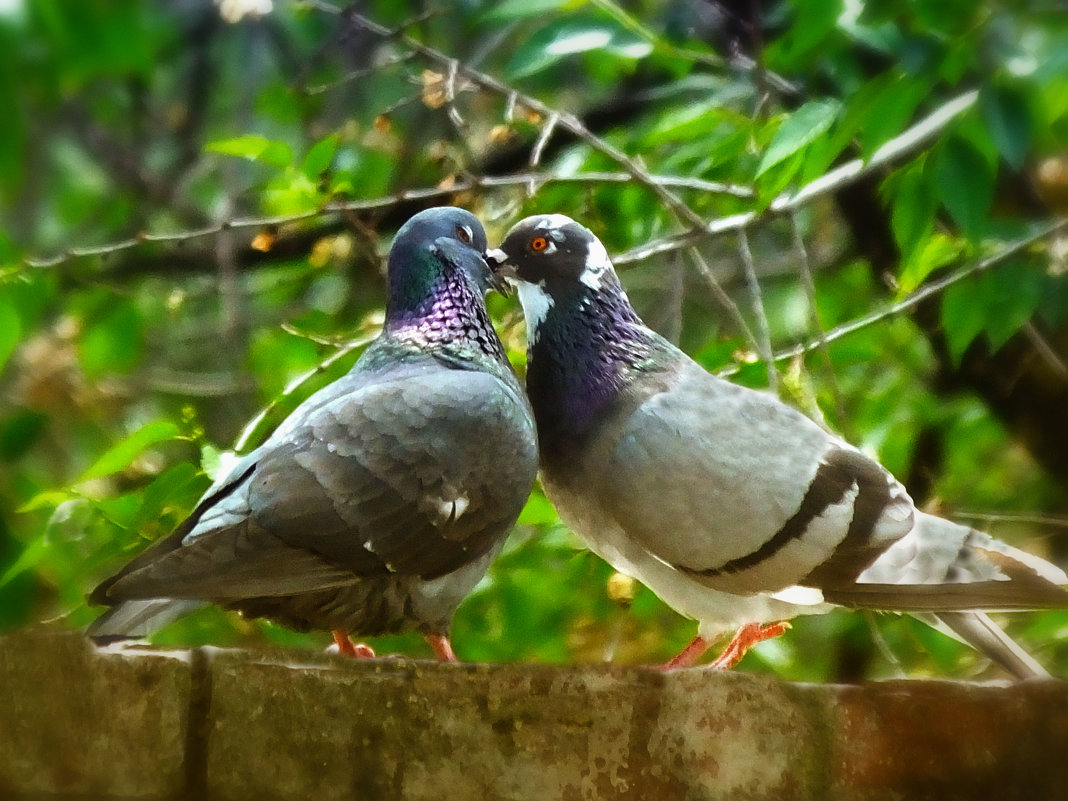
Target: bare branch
pixel 915 138
pixel 1013 517
pixel 356 75
pixel 757 299
pixel 1045 350
pixel 543 139
pixel 723 298
pixel 534 178
pixel 805 271
pixel 567 121
pixel 919 295
pixel 252 433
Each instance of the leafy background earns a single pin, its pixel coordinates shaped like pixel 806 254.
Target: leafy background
pixel 196 202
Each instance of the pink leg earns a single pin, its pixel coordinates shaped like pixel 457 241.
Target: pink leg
pixel 349 648
pixel 442 647
pixel 748 636
pixel 689 655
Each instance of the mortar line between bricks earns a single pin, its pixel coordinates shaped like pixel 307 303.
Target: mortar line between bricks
pixel 198 726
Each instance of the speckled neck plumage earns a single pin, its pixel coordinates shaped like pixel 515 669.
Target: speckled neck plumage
pixel 451 317
pixel 590 346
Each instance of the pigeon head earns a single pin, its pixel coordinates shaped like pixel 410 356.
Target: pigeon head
pixel 437 277
pixel 432 243
pixel 584 339
pixel 553 252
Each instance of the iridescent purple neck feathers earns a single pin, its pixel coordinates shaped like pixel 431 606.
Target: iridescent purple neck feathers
pixel 450 317
pixel 589 347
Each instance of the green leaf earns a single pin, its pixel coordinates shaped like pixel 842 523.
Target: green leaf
pixel 319 157
pixel 44 500
pixel 800 128
pixel 685 122
pixel 912 210
pixel 962 317
pixel 1013 293
pixel 120 456
pixel 1009 120
pixel 937 251
pixel 965 184
pixel 10 330
pixel 999 302
pixel 169 488
pixel 31 556
pixel 217 463
pixel 521 9
pixel 571 36
pixel 890 113
pixel 814 23
pixel 254 148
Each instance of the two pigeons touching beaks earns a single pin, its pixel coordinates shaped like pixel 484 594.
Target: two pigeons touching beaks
pixel 379 503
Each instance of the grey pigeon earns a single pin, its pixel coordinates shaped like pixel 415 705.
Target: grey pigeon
pixel 378 504
pixel 734 508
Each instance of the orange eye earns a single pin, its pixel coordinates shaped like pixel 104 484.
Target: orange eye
pixel 538 244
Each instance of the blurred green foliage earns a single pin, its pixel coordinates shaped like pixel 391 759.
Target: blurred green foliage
pixel 128 371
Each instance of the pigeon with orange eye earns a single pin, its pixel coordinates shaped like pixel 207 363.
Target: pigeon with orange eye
pixel 734 508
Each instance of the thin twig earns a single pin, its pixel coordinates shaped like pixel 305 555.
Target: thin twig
pixel 1010 517
pixel 881 645
pixel 450 99
pixel 723 298
pixel 543 139
pixel 1045 350
pixel 913 139
pixel 805 271
pixel 386 201
pixel 356 75
pixel 252 432
pixel 919 295
pixel 566 120
pixel 757 299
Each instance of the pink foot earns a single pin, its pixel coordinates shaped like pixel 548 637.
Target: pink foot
pixel 352 649
pixel 442 647
pixel 748 636
pixel 689 655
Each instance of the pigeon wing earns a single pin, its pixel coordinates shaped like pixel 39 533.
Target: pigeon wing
pixel 741 492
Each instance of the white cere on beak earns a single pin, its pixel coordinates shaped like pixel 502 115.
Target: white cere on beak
pixel 536 304
pixel 597 263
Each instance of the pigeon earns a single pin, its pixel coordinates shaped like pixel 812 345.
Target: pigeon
pixel 379 503
pixel 734 508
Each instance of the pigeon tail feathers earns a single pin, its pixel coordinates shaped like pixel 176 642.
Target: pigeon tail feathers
pixel 136 620
pixel 985 636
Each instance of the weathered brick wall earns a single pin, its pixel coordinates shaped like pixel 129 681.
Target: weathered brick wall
pixel 210 724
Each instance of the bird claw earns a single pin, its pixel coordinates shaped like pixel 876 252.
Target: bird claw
pixel 441 646
pixel 346 647
pixel 746 637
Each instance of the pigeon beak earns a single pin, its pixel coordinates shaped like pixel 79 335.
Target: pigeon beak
pixel 502 274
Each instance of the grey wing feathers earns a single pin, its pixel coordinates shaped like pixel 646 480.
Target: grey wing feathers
pixel 229 566
pixel 425 476
pixel 392 477
pixel 777 496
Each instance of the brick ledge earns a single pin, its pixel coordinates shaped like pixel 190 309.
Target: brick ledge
pixel 81 723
